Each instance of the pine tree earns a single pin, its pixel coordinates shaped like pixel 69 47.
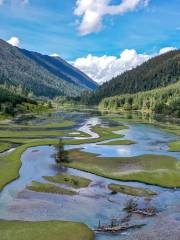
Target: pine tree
pixel 61 155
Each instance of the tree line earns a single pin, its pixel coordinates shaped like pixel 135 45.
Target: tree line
pixel 161 101
pixel 158 72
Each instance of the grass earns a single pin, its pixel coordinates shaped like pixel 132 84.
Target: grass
pixel 49 188
pixel 119 142
pixel 7 134
pixel 133 191
pixel 105 133
pixel 63 124
pixel 152 169
pixel 10 165
pixel 4 146
pixel 51 230
pixel 158 170
pixel 174 146
pixel 70 180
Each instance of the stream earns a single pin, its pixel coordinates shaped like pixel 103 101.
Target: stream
pixel 95 202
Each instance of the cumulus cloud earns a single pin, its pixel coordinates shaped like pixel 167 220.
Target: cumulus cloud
pixel 54 55
pixel 14 41
pixel 92 12
pixel 104 68
pixel 166 49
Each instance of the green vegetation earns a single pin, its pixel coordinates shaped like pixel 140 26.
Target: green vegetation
pixel 162 101
pixel 40 75
pixel 49 188
pixel 8 134
pixel 63 124
pixel 70 180
pixel 61 155
pixel 158 72
pixel 51 230
pixel 174 146
pixel 151 169
pixel 11 101
pixel 119 142
pixel 10 164
pixel 5 146
pixel 134 191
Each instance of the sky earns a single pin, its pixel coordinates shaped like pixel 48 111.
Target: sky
pixel 101 37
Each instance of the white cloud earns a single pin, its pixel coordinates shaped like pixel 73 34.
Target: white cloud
pixel 1 2
pixel 54 55
pixel 104 68
pixel 92 12
pixel 166 49
pixel 14 41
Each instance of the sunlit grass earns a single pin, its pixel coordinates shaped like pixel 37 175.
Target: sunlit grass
pixel 50 230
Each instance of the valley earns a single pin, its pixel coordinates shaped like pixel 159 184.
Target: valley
pixel 111 161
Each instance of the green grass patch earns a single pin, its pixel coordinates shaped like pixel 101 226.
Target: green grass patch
pixel 174 146
pixel 70 180
pixel 7 134
pixel 51 230
pixel 4 146
pixel 49 188
pixel 119 142
pixel 10 164
pixel 105 133
pixel 133 191
pixel 65 123
pixel 158 170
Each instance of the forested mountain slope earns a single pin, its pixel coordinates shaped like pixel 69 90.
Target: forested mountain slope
pixel 18 69
pixel 164 100
pixel 158 72
pixel 9 99
pixel 62 69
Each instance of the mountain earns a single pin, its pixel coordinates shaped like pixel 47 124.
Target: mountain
pixel 42 75
pixel 158 72
pixel 61 69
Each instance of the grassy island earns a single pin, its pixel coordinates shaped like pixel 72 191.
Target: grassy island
pixel 133 191
pixel 151 169
pixel 70 180
pixel 49 188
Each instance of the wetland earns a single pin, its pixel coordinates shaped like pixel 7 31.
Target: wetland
pixel 113 158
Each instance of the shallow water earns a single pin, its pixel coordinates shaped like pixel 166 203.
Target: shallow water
pixel 95 202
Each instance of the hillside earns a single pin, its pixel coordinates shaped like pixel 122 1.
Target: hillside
pixel 10 99
pixel 164 100
pixel 62 69
pixel 159 71
pixel 37 75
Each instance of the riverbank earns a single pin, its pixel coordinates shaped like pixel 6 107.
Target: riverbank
pixel 174 146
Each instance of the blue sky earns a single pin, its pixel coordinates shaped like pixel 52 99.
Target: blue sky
pixel 51 26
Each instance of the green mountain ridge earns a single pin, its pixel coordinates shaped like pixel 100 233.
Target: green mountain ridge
pixel 16 68
pixel 159 71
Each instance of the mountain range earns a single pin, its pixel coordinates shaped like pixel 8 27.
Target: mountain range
pixel 42 75
pixel 157 72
